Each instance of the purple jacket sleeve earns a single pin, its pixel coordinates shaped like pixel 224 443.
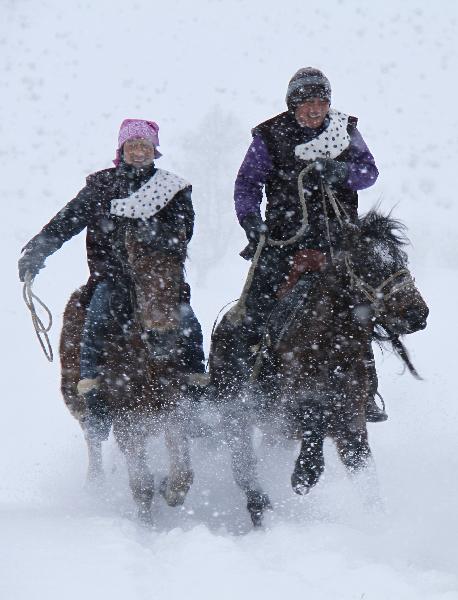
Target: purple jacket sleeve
pixel 251 178
pixel 257 164
pixel 362 172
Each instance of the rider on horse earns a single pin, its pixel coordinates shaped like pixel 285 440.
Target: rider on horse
pixel 309 133
pixel 133 188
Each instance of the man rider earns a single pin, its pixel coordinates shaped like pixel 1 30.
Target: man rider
pixel 308 133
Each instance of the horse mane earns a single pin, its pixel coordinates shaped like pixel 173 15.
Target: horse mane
pixel 377 227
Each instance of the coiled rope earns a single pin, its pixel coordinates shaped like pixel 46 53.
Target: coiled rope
pixel 238 312
pixel 41 330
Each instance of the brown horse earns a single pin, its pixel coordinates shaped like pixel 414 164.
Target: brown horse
pixel 314 381
pixel 144 393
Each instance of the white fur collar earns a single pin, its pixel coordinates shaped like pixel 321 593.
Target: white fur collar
pixel 156 193
pixel 330 143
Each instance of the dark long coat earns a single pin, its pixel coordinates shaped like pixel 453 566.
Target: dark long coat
pixel 173 225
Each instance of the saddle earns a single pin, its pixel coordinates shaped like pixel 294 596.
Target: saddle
pixel 304 274
pixel 304 261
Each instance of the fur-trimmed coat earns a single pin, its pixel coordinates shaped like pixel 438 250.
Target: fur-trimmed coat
pixel 92 209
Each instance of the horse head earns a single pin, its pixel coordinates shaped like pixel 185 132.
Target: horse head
pixel 157 276
pixel 379 269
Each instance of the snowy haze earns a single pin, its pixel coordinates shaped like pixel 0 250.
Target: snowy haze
pixel 208 71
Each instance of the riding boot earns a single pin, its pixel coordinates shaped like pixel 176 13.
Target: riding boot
pixel 162 343
pixel 197 385
pixel 191 354
pixel 99 418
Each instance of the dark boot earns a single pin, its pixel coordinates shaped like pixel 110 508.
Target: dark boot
pixel 197 384
pixel 99 419
pixel 191 354
pixel 162 343
pixel 257 503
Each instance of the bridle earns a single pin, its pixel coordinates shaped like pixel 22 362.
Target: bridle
pixel 375 294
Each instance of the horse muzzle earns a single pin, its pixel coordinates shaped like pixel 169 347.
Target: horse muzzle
pixel 411 321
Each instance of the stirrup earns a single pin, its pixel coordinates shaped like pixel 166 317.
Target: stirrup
pixel 374 414
pixel 162 343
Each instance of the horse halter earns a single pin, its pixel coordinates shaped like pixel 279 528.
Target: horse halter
pixel 376 295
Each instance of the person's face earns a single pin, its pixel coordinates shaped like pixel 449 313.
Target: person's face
pixel 138 153
pixel 312 112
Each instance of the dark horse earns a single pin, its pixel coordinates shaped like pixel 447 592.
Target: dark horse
pixel 314 378
pixel 145 395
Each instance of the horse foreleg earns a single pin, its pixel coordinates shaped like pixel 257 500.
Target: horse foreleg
pixel 132 441
pixel 239 438
pixel 176 485
pixel 310 462
pixel 354 450
pixel 353 445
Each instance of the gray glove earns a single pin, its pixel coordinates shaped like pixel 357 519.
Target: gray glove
pixel 253 226
pixel 30 263
pixel 334 172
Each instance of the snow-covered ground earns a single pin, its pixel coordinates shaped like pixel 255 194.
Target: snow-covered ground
pixel 208 71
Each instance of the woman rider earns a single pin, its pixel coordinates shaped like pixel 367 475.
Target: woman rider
pixel 95 208
pixel 308 133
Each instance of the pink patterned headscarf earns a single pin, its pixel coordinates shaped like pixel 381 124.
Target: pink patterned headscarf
pixel 137 128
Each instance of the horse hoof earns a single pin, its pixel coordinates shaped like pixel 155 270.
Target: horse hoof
pixel 145 516
pixel 257 504
pixel 95 481
pixel 174 493
pixel 302 483
pixel 300 488
pixel 306 474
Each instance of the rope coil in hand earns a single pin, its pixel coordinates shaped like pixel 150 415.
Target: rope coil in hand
pixel 41 330
pixel 238 312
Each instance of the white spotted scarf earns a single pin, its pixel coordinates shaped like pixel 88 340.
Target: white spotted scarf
pixel 147 201
pixel 329 143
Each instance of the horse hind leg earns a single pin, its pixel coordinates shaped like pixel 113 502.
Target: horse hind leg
pixel 239 438
pixel 95 474
pixel 176 485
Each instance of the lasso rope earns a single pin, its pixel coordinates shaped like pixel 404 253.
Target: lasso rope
pixel 238 312
pixel 41 330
